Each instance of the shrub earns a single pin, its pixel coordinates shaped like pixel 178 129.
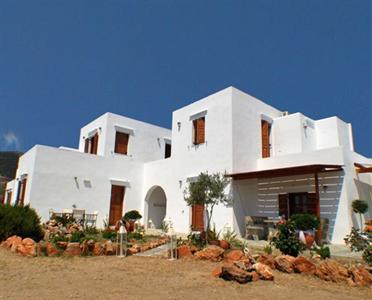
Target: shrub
pixel 64 220
pixel 305 221
pixel 286 240
pixel 19 220
pixel 268 250
pixel 356 241
pixel 196 239
pixel 132 215
pixel 90 230
pixel 324 252
pixel 367 255
pixel 109 235
pixel 77 237
pixel 231 237
pixel 359 206
pixel 213 235
pixel 135 236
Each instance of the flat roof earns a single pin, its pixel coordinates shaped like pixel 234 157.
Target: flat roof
pixel 289 171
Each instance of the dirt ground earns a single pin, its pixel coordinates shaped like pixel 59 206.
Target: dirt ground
pixel 149 278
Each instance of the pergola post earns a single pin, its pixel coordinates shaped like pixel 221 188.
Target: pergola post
pixel 319 232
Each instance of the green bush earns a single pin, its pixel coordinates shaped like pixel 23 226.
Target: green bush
pixel 305 221
pixel 109 235
pixel 356 241
pixel 19 220
pixel 77 237
pixel 286 240
pixel 132 215
pixel 324 252
pixel 367 255
pixel 359 206
pixel 135 236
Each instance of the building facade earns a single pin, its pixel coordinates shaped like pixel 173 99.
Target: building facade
pixel 280 164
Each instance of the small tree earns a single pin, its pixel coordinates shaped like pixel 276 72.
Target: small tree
pixel 360 207
pixel 208 190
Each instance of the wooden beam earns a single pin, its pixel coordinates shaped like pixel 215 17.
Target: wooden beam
pixel 362 169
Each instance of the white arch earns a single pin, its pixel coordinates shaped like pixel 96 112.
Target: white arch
pixel 155 206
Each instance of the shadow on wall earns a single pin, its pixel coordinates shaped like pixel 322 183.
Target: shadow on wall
pixel 259 197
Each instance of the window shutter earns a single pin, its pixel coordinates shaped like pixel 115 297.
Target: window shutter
pixel 283 205
pixel 86 146
pixel 197 216
pixel 121 143
pixel 199 131
pixel 23 192
pixel 94 144
pixel 265 132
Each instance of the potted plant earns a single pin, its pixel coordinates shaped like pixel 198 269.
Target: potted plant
pixel 213 237
pixel 130 218
pixel 306 225
pixel 360 207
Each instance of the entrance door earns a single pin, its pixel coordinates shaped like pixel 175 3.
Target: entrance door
pixel 116 203
pixel 197 214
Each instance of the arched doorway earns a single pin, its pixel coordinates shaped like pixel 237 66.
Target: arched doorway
pixel 156 203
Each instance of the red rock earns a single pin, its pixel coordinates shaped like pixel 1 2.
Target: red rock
pixel 132 250
pixel 212 253
pixel 109 248
pixel 27 248
pixel 303 265
pixel 331 270
pixel 51 250
pixel 10 240
pixel 233 255
pixel 267 260
pixel 264 271
pixel 284 263
pixel 15 243
pixel 255 276
pixel 224 244
pixel 368 228
pixel 217 272
pixel 72 249
pixel 98 249
pixel 360 276
pixel 184 251
pixel 62 245
pixel 231 272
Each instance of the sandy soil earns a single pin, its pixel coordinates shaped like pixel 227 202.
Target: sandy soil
pixel 149 278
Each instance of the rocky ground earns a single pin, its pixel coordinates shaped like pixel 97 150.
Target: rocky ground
pixel 150 278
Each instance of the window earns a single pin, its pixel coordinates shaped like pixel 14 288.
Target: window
pixel 9 197
pixel 121 143
pixel 199 131
pixel 297 203
pixel 21 191
pixel 265 133
pixel 91 144
pixel 168 150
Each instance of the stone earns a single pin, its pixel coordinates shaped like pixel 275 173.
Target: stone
pixel 15 243
pixel 264 271
pixel 10 240
pixel 233 255
pixel 132 250
pixel 231 272
pixel 27 248
pixel 109 248
pixel 51 250
pixel 255 276
pixel 184 251
pixel 98 249
pixel 217 272
pixel 72 249
pixel 284 263
pixel 303 265
pixel 212 253
pixel 267 260
pixel 331 270
pixel 62 245
pixel 360 276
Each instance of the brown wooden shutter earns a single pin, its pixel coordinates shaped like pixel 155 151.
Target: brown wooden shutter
pixel 121 143
pixel 199 131
pixel 311 203
pixel 116 203
pixel 283 205
pixel 197 215
pixel 94 145
pixel 86 146
pixel 265 132
pixel 23 192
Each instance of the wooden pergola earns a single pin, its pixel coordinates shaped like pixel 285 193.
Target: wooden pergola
pixel 362 169
pixel 314 169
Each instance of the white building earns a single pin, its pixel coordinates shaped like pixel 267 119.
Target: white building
pixel 280 164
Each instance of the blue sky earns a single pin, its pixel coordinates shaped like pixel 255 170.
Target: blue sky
pixel 63 63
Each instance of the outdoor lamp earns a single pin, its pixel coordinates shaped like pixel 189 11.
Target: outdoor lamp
pixel 122 241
